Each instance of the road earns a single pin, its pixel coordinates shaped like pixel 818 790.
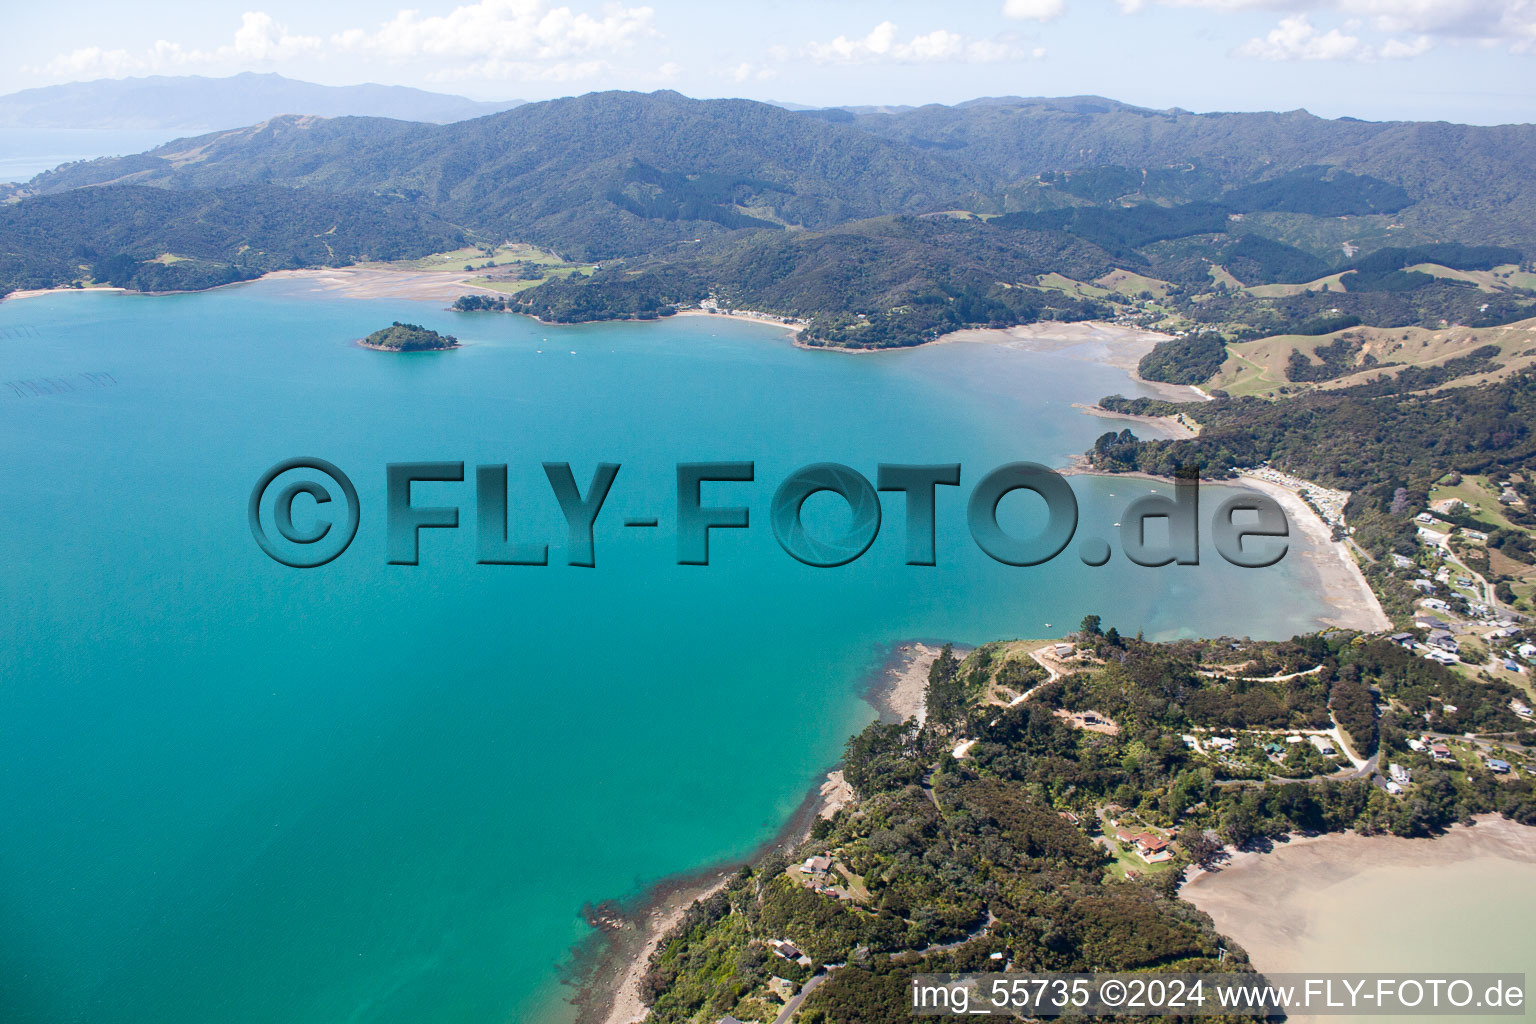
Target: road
pixel 815 982
pixel 1484 588
pixel 1218 673
pixel 799 997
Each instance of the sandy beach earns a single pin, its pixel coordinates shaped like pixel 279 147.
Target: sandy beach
pixel 1349 599
pixel 446 286
pixel 1289 908
pixel 610 989
pixel 381 283
pixel 793 327
pixel 1109 344
pixel 899 692
pixel 611 994
pixel 32 293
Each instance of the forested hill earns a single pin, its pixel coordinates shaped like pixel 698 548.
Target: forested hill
pixel 594 176
pixel 619 173
pixel 878 228
pixel 1473 177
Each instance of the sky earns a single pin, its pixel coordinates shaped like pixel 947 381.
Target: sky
pixel 1459 60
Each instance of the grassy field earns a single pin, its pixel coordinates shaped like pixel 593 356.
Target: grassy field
pixel 500 268
pixel 1129 860
pixel 1062 283
pixel 1219 275
pixel 1478 491
pixel 1125 288
pixel 1259 367
pixel 475 258
pixel 1499 279
pixel 1483 494
pixel 1125 283
pixel 512 286
pixel 1277 291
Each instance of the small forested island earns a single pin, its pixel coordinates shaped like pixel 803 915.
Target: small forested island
pixel 399 337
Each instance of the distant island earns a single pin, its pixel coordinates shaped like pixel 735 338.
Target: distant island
pixel 399 337
pixel 196 102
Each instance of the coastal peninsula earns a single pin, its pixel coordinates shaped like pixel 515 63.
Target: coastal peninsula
pixel 1019 770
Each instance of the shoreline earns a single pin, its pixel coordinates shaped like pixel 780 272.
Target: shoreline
pixel 382 283
pixel 1340 586
pixel 1267 901
pixel 32 293
pixel 1124 345
pixel 1343 588
pixel 793 327
pixel 1108 344
pixel 611 963
pixel 407 351
pixel 1173 426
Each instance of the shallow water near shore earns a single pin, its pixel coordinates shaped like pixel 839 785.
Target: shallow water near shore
pixel 240 792
pixel 1461 903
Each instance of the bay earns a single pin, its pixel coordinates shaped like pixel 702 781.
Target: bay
pixel 26 152
pixel 241 792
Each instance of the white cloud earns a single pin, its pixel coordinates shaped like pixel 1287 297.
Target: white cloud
pixel 747 71
pixel 92 61
pixel 1398 49
pixel 883 44
pixel 259 40
pixel 988 51
pixel 529 40
pixel 1034 10
pixel 495 69
pixel 1509 21
pixel 1481 19
pixel 504 32
pixel 1296 38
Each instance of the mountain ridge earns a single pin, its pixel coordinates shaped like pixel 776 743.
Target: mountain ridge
pixel 879 228
pixel 645 169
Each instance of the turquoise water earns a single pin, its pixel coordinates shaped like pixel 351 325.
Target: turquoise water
pixel 239 792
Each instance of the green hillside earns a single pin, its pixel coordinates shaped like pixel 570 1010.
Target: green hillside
pixel 877 229
pixel 599 175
